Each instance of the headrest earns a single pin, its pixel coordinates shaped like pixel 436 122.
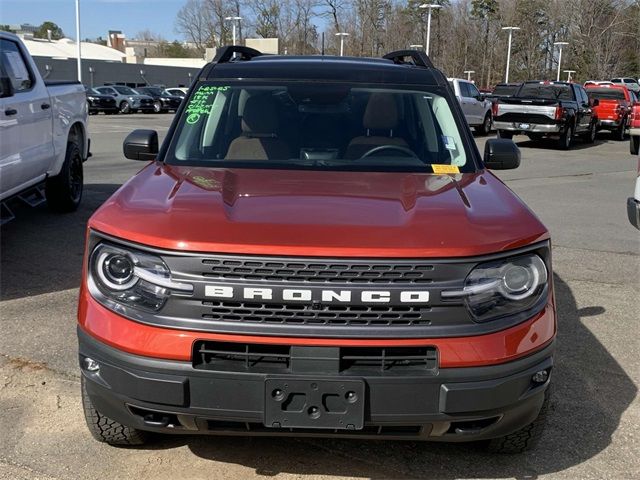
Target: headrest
pixel 381 112
pixel 260 116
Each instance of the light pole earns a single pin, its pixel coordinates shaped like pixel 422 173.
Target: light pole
pixel 469 72
pixel 560 45
pixel 429 7
pixel 342 35
pixel 233 26
pixel 78 40
pixel 511 29
pixel 569 73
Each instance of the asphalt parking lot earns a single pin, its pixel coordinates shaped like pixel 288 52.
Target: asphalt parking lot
pixel 595 427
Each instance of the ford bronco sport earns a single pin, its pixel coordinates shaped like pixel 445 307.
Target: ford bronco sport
pixel 317 249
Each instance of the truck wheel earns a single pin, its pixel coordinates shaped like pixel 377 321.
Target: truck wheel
pixel 106 430
pixel 505 134
pixel 485 128
pixel 619 133
pixel 527 437
pixel 566 138
pixel 64 191
pixel 634 144
pixel 125 107
pixel 590 136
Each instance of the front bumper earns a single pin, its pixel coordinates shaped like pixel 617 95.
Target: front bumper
pixel 531 128
pixel 450 404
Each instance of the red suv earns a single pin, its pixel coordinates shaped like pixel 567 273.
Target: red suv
pixel 319 249
pixel 613 107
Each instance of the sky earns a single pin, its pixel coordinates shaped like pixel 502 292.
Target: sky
pixel 96 16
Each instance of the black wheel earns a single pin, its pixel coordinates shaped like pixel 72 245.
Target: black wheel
pixel 64 191
pixel 619 133
pixel 590 136
pixel 106 430
pixel 485 127
pixel 527 437
pixel 505 134
pixel 634 144
pixel 125 107
pixel 157 106
pixel 566 138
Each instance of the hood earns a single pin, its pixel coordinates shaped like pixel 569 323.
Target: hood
pixel 293 212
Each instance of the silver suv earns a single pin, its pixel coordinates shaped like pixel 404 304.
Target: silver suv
pixel 127 99
pixel 630 83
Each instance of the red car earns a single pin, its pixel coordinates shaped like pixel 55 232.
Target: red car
pixel 318 249
pixel 614 106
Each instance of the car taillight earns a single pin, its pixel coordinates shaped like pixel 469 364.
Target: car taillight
pixel 494 109
pixel 559 113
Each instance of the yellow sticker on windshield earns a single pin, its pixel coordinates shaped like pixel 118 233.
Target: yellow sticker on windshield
pixel 439 168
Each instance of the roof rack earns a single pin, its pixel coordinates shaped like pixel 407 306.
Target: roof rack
pixel 420 59
pixel 226 54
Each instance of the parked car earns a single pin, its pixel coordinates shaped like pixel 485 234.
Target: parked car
pixel 597 83
pixel 177 91
pixel 98 102
pixel 540 109
pixel 477 110
pixel 44 134
pixel 614 107
pixel 634 126
pixel 630 83
pixel 127 98
pixel 325 253
pixel 162 102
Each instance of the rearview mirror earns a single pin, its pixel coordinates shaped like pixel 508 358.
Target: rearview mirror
pixel 6 87
pixel 501 154
pixel 141 145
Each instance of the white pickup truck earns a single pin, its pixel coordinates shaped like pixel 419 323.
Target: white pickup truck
pixel 476 109
pixel 43 134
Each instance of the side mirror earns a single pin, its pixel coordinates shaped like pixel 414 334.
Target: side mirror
pixel 141 145
pixel 595 102
pixel 501 154
pixel 6 87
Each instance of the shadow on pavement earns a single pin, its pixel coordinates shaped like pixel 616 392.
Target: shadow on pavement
pixel 41 251
pixel 591 392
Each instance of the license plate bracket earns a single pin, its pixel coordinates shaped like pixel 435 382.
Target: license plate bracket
pixel 314 403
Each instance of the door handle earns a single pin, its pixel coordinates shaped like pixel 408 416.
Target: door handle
pixel 10 111
pixel 45 106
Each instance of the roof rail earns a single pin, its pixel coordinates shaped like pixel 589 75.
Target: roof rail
pixel 225 54
pixel 418 58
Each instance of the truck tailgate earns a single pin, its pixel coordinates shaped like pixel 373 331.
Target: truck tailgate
pixel 525 111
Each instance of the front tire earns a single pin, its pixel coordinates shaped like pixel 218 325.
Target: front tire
pixel 505 134
pixel 125 107
pixel 157 107
pixel 64 191
pixel 106 430
pixel 527 437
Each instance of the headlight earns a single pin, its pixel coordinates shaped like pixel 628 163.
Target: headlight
pixel 128 278
pixel 495 289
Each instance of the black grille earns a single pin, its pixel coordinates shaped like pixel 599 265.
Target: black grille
pixel 317 272
pixel 387 358
pixel 266 358
pixel 296 314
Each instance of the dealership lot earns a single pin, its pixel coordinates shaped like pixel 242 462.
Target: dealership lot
pixel 595 429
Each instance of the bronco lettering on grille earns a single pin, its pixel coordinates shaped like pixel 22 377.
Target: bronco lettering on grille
pixel 321 295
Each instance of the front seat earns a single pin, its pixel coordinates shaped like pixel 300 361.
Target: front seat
pixel 259 139
pixel 381 118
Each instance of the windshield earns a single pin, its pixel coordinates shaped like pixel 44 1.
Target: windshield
pixel 319 126
pixel 547 91
pixel 505 90
pixel 605 93
pixel 151 90
pixel 125 90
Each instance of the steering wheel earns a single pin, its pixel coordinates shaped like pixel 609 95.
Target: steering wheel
pixel 381 148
